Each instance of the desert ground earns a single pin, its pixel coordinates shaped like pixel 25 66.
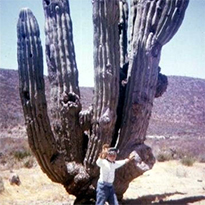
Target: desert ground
pixel 168 182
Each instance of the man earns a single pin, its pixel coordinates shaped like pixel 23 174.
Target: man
pixel 108 165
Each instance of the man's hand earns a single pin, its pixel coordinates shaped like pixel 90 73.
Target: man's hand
pixel 131 156
pixel 134 155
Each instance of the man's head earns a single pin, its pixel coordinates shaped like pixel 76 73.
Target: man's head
pixel 112 154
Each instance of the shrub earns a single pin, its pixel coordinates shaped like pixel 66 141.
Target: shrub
pixel 162 157
pixel 188 161
pixel 29 163
pixel 202 158
pixel 21 154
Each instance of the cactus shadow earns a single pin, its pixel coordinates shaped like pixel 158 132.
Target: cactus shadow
pixel 161 199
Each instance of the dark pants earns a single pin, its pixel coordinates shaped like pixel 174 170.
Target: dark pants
pixel 106 192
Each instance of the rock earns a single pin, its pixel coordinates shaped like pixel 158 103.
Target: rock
pixel 14 179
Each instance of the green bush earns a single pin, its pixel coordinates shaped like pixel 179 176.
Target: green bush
pixel 21 154
pixel 162 157
pixel 188 161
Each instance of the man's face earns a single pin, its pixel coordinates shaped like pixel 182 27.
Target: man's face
pixel 112 157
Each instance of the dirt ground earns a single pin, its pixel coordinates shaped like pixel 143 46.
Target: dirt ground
pixel 167 183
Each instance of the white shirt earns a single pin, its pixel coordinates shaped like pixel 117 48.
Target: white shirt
pixel 107 169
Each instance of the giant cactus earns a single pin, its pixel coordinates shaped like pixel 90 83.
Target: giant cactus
pixel 67 142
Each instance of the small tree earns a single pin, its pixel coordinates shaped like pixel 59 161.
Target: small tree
pixel 67 142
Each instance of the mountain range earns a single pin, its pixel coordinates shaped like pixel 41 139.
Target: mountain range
pixel 179 112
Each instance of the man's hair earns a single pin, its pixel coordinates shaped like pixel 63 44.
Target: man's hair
pixel 112 150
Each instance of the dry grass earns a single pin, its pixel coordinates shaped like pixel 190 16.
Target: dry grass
pixel 35 188
pixel 188 161
pixel 178 148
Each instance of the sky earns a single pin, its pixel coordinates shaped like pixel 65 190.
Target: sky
pixel 184 55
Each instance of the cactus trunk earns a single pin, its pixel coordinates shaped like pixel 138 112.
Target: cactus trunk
pixel 106 64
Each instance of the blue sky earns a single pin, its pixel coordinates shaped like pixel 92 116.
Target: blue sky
pixel 184 55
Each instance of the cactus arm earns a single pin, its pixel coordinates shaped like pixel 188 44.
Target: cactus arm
pixel 32 92
pixel 60 53
pixel 51 158
pixel 144 60
pixel 106 65
pixel 63 76
pixel 59 45
pixel 175 15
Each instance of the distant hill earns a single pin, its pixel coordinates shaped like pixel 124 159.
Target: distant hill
pixel 10 106
pixel 180 111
